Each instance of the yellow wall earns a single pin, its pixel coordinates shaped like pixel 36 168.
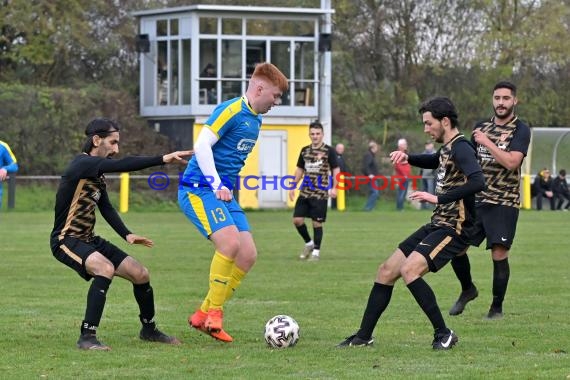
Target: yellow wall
pixel 297 137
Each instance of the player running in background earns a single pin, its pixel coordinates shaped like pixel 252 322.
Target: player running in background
pixel 73 241
pixel 501 144
pixel 433 245
pixel 205 195
pixel 316 163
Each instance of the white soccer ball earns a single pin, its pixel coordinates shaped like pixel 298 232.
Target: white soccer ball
pixel 281 331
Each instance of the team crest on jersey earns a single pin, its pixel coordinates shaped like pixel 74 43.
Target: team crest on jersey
pixel 245 145
pixel 440 174
pixel 504 136
pixel 313 167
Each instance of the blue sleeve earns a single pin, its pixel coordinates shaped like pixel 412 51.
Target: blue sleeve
pixel 11 168
pixel 7 159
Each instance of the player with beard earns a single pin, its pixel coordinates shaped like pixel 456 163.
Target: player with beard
pixel 73 241
pixel 501 144
pixel 433 245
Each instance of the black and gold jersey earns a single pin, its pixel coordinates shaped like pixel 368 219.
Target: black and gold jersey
pixel 503 185
pixel 80 221
pixel 456 207
pixel 318 164
pixel 82 189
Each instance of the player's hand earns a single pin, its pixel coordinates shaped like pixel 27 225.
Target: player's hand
pixel 177 156
pixel 398 156
pixel 549 194
pixel 423 196
pixel 291 195
pixel 481 138
pixel 332 192
pixel 136 239
pixel 3 174
pixel 224 194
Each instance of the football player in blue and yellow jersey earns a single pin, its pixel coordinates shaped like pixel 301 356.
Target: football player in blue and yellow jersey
pixel 205 193
pixel 8 164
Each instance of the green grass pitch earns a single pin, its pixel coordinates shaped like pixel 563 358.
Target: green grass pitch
pixel 43 303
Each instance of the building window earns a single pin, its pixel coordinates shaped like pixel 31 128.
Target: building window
pixel 208 25
pixel 229 48
pixel 186 71
pixel 281 57
pixel 208 83
pixel 231 26
pixel 231 69
pixel 304 82
pixel 288 44
pixel 172 65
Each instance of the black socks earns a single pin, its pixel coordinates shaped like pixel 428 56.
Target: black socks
pixel 96 297
pixel 302 229
pixel 426 299
pixel 145 298
pixel 378 300
pixel 317 236
pixel 462 268
pixel 501 273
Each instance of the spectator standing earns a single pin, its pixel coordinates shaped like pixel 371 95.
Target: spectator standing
pixel 428 179
pixel 370 169
pixel 343 167
pixel 402 170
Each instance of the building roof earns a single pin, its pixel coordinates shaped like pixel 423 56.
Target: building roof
pixel 233 8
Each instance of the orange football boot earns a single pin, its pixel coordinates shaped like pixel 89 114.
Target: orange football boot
pixel 215 320
pixel 198 321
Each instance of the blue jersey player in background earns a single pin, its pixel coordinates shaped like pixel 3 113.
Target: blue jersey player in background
pixel 205 193
pixel 8 164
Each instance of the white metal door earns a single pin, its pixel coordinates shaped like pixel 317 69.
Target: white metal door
pixel 272 168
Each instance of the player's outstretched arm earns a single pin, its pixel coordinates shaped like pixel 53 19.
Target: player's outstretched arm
pixel 178 156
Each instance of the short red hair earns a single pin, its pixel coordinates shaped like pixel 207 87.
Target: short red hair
pixel 272 74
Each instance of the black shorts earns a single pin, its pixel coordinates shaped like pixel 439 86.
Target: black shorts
pixel 73 252
pixel 496 223
pixel 437 244
pixel 313 208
